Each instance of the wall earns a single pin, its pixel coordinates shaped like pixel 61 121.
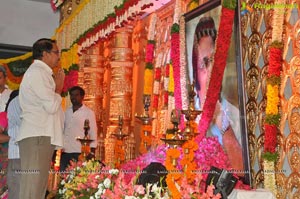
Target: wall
pixel 23 21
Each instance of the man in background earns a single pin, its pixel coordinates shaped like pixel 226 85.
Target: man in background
pixel 75 117
pixel 41 126
pixel 14 164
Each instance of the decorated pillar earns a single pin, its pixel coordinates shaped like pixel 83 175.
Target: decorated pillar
pixel 91 79
pixel 120 94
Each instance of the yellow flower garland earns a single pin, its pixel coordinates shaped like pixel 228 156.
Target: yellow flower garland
pixel 69 57
pixel 171 80
pixel 148 81
pixel 273 99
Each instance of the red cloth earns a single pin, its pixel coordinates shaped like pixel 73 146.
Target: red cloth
pixel 3 120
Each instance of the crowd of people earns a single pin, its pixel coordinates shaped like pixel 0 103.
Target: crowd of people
pixel 33 124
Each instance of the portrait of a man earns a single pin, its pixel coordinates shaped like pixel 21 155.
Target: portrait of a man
pixel 225 125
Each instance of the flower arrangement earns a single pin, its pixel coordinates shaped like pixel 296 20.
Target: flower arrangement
pixel 92 181
pixel 85 179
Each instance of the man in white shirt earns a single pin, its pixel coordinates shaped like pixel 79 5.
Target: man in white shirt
pixel 41 129
pixel 4 90
pixel 75 117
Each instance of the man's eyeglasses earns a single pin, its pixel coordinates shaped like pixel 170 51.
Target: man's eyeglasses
pixel 55 51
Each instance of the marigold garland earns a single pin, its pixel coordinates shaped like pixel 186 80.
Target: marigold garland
pixel 272 102
pixel 149 59
pixel 171 80
pixel 148 81
pixel 174 175
pixel 272 108
pixel 187 162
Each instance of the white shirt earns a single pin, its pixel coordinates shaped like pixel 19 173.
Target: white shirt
pixel 4 96
pixel 14 121
pixel 74 127
pixel 232 113
pixel 40 104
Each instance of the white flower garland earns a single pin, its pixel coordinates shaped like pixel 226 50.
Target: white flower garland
pixel 183 70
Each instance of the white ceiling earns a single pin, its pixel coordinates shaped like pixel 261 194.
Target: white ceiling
pixel 24 21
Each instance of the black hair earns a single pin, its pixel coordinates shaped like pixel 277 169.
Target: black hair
pixel 12 95
pixel 205 27
pixel 81 90
pixel 155 172
pixel 40 46
pixel 3 70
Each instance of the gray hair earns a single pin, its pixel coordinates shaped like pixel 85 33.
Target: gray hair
pixel 3 70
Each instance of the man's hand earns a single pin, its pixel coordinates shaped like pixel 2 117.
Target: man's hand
pixel 59 80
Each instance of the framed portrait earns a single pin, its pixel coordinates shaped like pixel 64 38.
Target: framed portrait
pixel 201 29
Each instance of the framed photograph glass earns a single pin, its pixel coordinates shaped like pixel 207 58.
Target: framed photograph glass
pixel 229 121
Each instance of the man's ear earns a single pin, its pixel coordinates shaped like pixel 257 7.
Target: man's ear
pixel 44 54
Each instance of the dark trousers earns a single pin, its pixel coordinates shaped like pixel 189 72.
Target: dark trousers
pixel 66 158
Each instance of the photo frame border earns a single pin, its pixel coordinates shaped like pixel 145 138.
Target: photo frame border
pixel 200 10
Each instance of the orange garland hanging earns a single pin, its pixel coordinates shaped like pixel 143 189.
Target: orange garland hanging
pixel 187 162
pixel 174 175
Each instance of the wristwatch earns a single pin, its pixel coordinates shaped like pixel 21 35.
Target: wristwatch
pixel 225 123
